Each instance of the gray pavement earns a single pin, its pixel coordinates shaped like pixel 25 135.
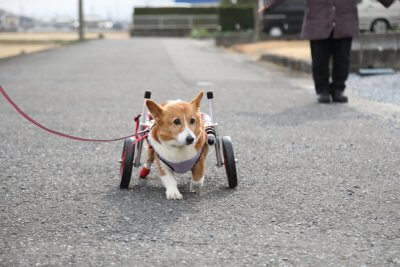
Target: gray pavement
pixel 318 184
pixel 382 88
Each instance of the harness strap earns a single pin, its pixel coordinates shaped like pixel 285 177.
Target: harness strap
pixel 174 169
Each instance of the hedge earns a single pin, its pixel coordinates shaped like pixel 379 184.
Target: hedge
pixel 231 16
pixel 175 10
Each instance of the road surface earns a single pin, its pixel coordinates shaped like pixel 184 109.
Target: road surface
pixel 318 184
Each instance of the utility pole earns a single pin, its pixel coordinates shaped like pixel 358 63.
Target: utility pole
pixel 81 21
pixel 257 19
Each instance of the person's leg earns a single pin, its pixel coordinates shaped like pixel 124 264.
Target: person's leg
pixel 320 54
pixel 341 49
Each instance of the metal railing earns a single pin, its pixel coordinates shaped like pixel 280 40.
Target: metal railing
pixel 174 22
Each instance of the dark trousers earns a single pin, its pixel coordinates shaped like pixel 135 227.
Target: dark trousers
pixel 321 53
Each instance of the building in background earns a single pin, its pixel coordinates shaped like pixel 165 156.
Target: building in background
pixel 62 23
pixel 8 21
pixel 27 23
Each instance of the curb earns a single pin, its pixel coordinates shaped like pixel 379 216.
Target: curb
pixel 291 63
pixel 368 51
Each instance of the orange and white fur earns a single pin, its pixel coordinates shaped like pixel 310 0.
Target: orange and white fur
pixel 177 136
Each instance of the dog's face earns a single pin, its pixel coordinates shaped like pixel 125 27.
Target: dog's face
pixel 178 123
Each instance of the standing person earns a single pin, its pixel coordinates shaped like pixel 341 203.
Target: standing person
pixel 330 25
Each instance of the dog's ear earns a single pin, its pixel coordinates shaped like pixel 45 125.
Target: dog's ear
pixel 196 101
pixel 154 109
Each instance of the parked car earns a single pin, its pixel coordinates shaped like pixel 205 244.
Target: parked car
pixel 376 18
pixel 286 18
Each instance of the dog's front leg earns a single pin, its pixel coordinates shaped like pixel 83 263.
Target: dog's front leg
pixel 169 182
pixel 197 178
pixel 171 186
pixel 198 172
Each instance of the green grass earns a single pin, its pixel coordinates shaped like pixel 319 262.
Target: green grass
pixel 201 33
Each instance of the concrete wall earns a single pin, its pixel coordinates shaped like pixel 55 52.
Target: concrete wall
pixel 376 50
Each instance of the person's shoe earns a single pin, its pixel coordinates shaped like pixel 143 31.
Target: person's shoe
pixel 339 97
pixel 324 98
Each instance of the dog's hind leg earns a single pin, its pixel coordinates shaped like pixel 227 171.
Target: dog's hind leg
pixel 147 166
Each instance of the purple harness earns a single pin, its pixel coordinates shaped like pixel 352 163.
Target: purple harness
pixel 181 167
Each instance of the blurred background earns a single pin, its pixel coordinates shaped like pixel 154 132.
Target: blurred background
pixel 168 15
pixel 33 25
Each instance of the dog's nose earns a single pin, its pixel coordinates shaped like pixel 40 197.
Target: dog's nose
pixel 189 139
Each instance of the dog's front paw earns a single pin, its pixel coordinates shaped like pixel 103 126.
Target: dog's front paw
pixel 195 186
pixel 173 194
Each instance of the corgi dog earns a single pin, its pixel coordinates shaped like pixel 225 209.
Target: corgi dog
pixel 177 143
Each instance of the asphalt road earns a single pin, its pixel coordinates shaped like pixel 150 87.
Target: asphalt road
pixel 318 184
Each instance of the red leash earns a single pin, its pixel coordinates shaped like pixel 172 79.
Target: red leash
pixel 27 117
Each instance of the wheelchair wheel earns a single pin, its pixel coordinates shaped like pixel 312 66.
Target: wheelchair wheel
pixel 128 154
pixel 229 161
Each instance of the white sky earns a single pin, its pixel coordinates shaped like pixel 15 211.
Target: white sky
pixel 115 9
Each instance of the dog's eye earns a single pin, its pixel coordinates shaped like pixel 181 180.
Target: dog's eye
pixel 192 120
pixel 177 122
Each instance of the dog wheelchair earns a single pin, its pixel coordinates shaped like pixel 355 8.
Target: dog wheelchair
pixel 133 146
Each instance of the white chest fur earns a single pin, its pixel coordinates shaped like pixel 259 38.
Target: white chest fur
pixel 171 153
